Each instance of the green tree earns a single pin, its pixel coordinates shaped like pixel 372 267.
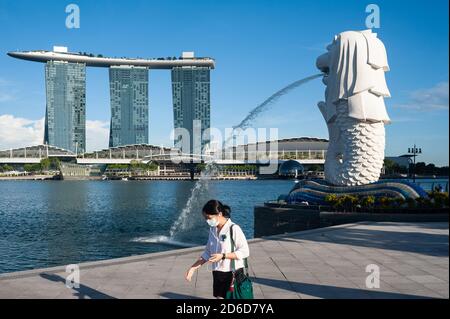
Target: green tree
pixel 389 166
pixel 200 167
pixel 55 163
pixel 314 168
pixel 32 168
pixel 7 168
pixel 46 163
pixel 420 168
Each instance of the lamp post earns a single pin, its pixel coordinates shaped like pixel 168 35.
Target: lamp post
pixel 413 152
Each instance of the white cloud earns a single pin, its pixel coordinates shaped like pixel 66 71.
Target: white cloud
pixel 18 132
pixel 431 99
pixel 97 135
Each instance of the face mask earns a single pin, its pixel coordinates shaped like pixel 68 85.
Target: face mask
pixel 212 222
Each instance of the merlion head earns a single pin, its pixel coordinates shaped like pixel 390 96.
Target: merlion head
pixel 354 67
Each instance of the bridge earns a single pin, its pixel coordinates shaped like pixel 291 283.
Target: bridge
pixel 149 153
pixel 33 154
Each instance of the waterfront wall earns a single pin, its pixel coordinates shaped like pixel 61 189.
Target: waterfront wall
pixel 279 219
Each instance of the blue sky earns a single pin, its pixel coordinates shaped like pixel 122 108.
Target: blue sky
pixel 259 46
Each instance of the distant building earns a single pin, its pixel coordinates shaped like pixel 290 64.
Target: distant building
pixel 76 171
pixel 65 115
pixel 403 160
pixel 66 94
pixel 291 168
pixel 129 105
pixel 191 102
pixel 306 150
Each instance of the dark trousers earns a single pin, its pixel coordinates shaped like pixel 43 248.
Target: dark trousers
pixel 221 283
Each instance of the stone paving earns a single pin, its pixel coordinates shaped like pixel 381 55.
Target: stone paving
pixel 322 263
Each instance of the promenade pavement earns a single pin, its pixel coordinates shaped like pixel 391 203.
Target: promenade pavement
pixel 412 259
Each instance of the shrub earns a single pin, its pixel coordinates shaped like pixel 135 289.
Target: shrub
pixel 439 199
pixel 385 202
pixel 367 201
pixel 331 199
pixel 350 202
pixel 423 202
pixel 411 202
pixel 399 202
pixel 346 202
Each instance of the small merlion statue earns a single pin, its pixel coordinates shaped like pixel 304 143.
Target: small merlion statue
pixel 354 108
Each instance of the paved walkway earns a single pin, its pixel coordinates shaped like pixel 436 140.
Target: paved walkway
pixel 322 263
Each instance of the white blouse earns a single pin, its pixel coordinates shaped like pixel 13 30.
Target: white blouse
pixel 220 244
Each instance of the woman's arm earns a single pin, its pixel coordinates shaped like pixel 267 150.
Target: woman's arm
pixel 190 272
pixel 199 262
pixel 241 249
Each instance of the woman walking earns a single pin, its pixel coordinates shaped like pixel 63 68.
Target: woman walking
pixel 219 248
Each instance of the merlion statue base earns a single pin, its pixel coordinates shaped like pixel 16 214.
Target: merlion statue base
pixel 314 192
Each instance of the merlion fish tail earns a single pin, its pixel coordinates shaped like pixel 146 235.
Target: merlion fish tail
pixel 356 150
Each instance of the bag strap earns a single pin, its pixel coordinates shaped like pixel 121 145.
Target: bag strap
pixel 233 265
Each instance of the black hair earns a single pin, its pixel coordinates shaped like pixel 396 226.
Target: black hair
pixel 214 207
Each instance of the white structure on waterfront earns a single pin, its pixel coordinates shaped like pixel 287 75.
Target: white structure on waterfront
pixel 354 108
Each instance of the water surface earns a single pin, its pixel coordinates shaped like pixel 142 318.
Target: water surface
pixel 49 223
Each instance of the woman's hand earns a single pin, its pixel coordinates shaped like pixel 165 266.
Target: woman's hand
pixel 215 258
pixel 193 268
pixel 190 273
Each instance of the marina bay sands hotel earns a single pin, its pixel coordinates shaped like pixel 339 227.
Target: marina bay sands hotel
pixel 65 81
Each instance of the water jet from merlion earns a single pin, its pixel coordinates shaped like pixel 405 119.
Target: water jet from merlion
pixel 200 188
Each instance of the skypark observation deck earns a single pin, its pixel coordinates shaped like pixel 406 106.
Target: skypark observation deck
pixel 106 62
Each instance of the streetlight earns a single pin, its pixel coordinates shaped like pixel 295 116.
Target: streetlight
pixel 413 152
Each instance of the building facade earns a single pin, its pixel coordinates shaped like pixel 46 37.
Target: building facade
pixel 129 105
pixel 191 106
pixel 65 116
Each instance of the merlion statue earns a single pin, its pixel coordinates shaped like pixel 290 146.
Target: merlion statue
pixel 354 111
pixel 354 108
